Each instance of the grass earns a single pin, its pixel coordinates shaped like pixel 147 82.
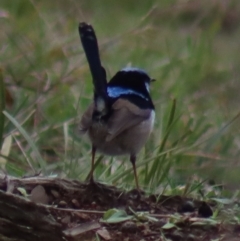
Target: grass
pixel 190 47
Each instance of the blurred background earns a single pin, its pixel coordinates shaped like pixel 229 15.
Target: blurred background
pixel 190 47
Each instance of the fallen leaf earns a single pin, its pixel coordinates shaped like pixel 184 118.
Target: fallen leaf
pixel 22 191
pixel 104 234
pixel 82 228
pixel 169 226
pixel 223 200
pixel 66 219
pixel 38 195
pixel 115 216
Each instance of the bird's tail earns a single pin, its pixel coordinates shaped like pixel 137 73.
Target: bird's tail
pixel 90 46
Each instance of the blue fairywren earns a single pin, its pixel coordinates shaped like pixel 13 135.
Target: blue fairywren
pixel 121 117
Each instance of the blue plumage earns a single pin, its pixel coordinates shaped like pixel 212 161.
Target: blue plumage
pixel 116 92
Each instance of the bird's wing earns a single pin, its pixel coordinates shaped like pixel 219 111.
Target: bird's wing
pixel 86 120
pixel 125 115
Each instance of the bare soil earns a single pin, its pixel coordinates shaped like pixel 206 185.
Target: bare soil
pixel 39 208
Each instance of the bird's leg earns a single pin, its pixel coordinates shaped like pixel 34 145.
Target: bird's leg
pixel 133 161
pixel 92 167
pixel 95 187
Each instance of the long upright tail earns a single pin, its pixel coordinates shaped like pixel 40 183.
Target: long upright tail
pixel 90 46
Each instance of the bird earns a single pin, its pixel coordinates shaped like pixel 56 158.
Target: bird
pixel 121 116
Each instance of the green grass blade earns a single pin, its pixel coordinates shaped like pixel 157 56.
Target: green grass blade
pixel 2 107
pixel 37 155
pixel 97 162
pixel 156 169
pixel 170 121
pixel 119 175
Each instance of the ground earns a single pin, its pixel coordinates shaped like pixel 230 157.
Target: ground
pixel 62 209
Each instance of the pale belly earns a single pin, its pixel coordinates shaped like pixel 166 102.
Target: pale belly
pixel 129 141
